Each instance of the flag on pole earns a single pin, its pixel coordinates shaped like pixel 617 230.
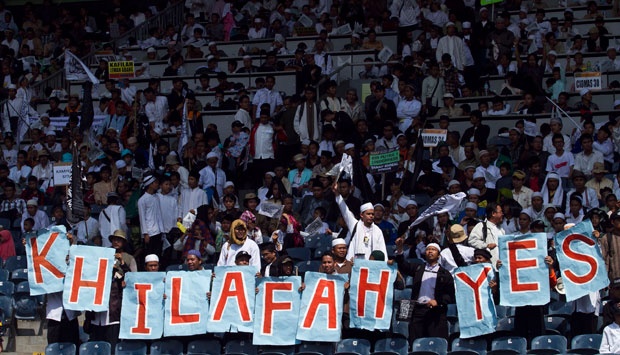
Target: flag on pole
pixel 184 136
pixel 446 203
pixel 76 70
pixel 75 193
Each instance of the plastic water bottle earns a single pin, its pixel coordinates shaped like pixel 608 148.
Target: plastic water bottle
pixel 486 88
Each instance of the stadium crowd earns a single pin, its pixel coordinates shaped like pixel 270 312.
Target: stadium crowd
pixel 161 201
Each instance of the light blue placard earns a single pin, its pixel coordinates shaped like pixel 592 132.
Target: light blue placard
pixel 277 308
pixel 143 306
pixel 581 262
pixel 46 255
pixel 88 279
pixel 524 276
pixel 371 294
pixel 320 316
pixel 474 300
pixel 232 300
pixel 186 307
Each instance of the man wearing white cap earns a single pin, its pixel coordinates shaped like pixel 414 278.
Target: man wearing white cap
pixel 151 263
pixel 258 31
pixel 156 108
pixel 489 172
pixel 212 178
pixel 267 95
pixel 13 118
pixel 149 211
pixel 112 218
pixel 41 220
pixel 341 264
pixel 485 235
pixel 586 103
pixel 453 45
pixel 365 235
pixel 432 291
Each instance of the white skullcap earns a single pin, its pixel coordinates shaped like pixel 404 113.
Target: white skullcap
pixel 584 91
pixel 478 175
pixel 213 155
pixel 305 142
pixel 473 191
pixel 453 182
pixel 433 245
pixel 559 215
pixel 32 202
pixel 212 43
pixel 120 164
pixel 338 241
pixel 229 184
pixel 151 257
pixel 378 205
pixel 466 25
pixel 471 205
pixel 412 202
pixel 148 180
pixel 349 146
pixel 537 194
pixel 271 173
pixel 365 207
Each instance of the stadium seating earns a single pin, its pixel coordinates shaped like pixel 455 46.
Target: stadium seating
pixel 469 346
pixel 127 347
pixel 95 348
pixel 4 275
pixel 19 275
pixel 15 262
pixel 305 266
pixel 178 267
pixel 7 288
pixel 391 346
pixel 299 254
pixel 24 304
pixel 315 347
pixel 353 346
pixel 204 347
pixel 508 345
pixel 548 344
pixel 240 347
pixel 437 346
pixel 286 350
pixel 586 344
pixel 555 325
pixel 60 349
pixel 167 347
pixel 402 294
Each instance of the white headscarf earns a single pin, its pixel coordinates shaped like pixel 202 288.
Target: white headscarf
pixel 559 193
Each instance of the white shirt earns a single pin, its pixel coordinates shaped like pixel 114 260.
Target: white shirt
pixel 229 251
pixel 406 111
pixel 560 164
pixel 113 219
pixel 54 308
pixel 15 173
pixel 365 240
pixel 10 157
pixel 191 199
pixel 87 229
pixel 266 96
pixel 611 339
pixel 324 61
pixel 454 46
pixel 210 178
pixel 589 198
pixel 523 197
pixel 149 210
pixel 41 220
pixel 428 283
pixel 447 260
pixel 244 117
pixel 406 11
pixel 477 241
pixel 585 163
pixel 169 207
pixel 548 143
pixel 263 148
pixel 254 34
pixel 156 111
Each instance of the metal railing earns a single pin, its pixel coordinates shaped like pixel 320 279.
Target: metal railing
pixel 172 15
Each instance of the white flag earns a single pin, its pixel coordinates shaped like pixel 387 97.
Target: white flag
pixel 76 70
pixel 271 210
pixel 446 203
pixel 184 136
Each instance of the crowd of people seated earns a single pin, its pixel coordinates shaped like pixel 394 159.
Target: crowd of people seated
pixel 164 186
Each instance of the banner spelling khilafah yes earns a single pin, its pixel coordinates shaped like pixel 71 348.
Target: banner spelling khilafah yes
pixel 582 265
pixel 277 307
pixel 186 318
pixel 46 255
pixel 143 291
pixel 371 294
pixel 88 279
pixel 472 288
pixel 524 276
pixel 232 299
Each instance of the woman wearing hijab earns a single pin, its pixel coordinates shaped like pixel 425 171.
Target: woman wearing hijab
pixel 239 241
pixel 552 191
pixel 7 246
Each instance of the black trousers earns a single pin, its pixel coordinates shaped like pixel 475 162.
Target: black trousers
pixel 428 322
pixel 107 333
pixel 529 321
pixel 583 323
pixel 65 331
pixel 259 168
pixel 155 245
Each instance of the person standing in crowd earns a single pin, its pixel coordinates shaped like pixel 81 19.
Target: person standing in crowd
pixel 239 241
pixel 485 234
pixel 151 221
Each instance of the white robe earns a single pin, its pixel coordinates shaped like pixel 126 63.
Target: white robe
pixel 362 244
pixel 454 46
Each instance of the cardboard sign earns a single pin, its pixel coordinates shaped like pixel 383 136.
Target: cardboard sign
pixel 432 137
pixel 46 255
pixel 474 300
pixel 371 294
pixel 489 2
pixel 588 80
pixel 62 173
pixel 120 70
pixel 384 162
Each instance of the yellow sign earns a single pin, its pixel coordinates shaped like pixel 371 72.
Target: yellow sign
pixel 120 70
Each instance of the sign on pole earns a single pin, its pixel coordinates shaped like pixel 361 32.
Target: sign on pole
pixel 384 162
pixel 432 137
pixel 489 2
pixel 588 80
pixel 62 173
pixel 122 69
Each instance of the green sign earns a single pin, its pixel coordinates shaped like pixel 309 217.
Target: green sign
pixel 489 2
pixel 384 162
